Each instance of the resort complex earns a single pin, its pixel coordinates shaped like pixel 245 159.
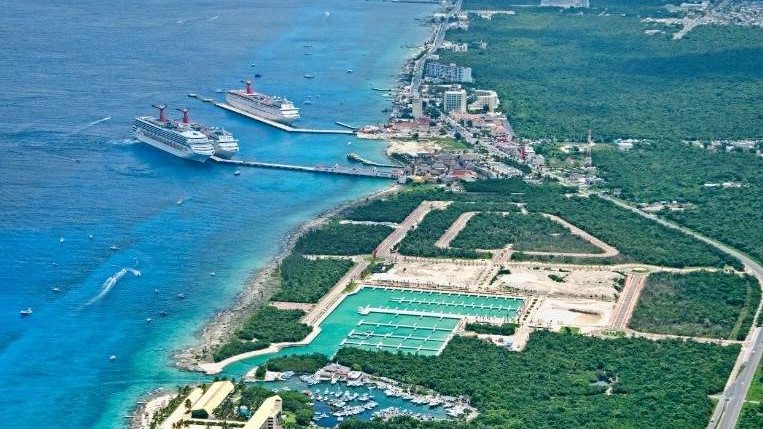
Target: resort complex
pixel 550 216
pixel 499 266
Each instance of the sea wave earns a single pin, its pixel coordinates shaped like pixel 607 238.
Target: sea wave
pixel 110 283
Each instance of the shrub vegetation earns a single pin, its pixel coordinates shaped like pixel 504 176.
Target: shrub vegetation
pixel 268 325
pixel 342 239
pixel 697 304
pixel 561 380
pixel 306 280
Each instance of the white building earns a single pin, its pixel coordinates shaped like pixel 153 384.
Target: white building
pixel 417 109
pixel 448 72
pixel 484 99
pixel 454 100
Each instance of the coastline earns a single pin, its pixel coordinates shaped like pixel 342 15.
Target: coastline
pixel 262 284
pixel 258 290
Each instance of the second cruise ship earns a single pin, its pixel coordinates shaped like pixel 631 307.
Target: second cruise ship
pixel 274 108
pixel 180 138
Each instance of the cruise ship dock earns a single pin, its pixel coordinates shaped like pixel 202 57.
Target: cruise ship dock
pixel 279 125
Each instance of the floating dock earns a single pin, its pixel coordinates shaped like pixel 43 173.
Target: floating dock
pixel 336 169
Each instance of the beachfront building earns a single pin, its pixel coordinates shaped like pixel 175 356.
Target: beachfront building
pixel 212 398
pixel 197 410
pixel 268 416
pixel 484 99
pixel 454 101
pixel 448 72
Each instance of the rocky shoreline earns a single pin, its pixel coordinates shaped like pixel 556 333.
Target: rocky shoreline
pixel 258 291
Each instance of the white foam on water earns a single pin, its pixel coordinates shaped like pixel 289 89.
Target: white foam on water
pixel 104 119
pixel 110 283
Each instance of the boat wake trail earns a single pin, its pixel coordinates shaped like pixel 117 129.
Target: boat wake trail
pixel 91 124
pixel 110 283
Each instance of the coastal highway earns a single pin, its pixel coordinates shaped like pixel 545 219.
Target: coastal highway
pixel 731 400
pixel 439 36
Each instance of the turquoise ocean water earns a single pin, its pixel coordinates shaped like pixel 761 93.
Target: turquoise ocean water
pixel 74 74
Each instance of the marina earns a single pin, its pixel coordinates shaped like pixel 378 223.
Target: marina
pixel 394 319
pixel 337 393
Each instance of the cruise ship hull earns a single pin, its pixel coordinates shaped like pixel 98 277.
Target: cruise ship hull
pixel 225 150
pixel 267 112
pixel 187 153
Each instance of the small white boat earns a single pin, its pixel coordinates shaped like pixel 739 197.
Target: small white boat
pixel 193 95
pixel 113 248
pixel 180 202
pixel 113 358
pixel 55 289
pixel 309 76
pixel 27 312
pixel 212 274
pixel 236 173
pixel 181 296
pixel 148 320
pixel 90 236
pixel 61 240
pixel 349 71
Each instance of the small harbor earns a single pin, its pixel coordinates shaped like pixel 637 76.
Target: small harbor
pixel 339 393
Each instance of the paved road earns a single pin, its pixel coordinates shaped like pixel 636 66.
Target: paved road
pixel 634 283
pixel 731 400
pixel 454 229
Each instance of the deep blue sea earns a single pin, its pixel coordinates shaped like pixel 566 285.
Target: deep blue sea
pixel 73 75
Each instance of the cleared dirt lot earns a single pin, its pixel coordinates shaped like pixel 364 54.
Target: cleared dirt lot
pixel 577 283
pixel 586 314
pixel 445 273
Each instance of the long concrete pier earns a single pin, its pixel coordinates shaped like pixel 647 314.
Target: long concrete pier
pixel 336 169
pixel 279 125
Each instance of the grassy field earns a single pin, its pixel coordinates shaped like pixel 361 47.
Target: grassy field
pixel 703 304
pixel 561 73
pixel 531 232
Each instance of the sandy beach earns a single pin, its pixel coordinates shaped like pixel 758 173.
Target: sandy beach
pixel 149 405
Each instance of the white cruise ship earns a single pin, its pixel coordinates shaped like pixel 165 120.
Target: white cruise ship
pixel 177 138
pixel 274 108
pixel 225 144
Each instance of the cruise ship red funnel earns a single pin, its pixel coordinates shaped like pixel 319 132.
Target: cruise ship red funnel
pixel 162 116
pixel 248 84
pixel 186 118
